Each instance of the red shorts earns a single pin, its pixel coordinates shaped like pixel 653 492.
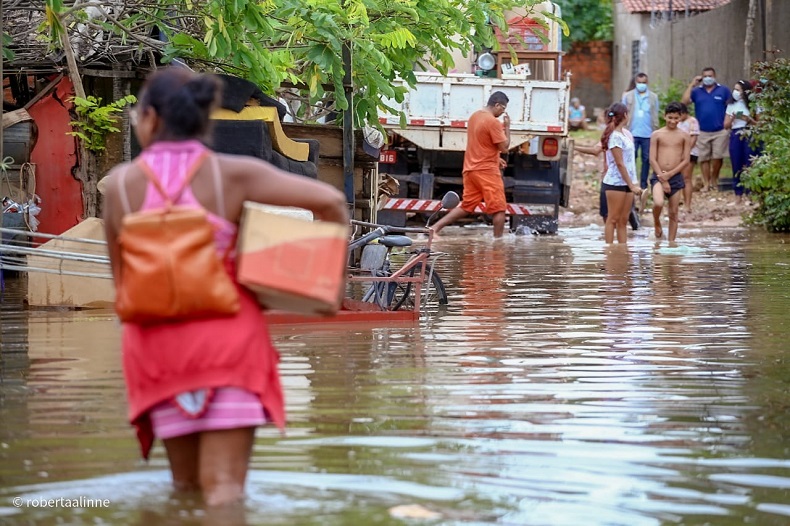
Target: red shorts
pixel 484 187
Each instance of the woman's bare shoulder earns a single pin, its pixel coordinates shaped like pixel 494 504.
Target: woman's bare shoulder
pixel 109 183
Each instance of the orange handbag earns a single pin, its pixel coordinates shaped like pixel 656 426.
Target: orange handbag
pixel 169 266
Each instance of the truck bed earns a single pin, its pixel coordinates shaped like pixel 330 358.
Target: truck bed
pixel 438 107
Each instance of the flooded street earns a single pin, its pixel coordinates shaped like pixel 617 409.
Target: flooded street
pixel 567 383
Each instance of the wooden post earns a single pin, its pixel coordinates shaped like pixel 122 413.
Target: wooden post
pixel 348 128
pixel 2 85
pixel 768 30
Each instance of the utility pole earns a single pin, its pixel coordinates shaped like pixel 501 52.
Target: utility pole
pixel 2 81
pixel 748 40
pixel 348 128
pixel 768 29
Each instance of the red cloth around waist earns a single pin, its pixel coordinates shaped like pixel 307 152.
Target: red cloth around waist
pixel 163 360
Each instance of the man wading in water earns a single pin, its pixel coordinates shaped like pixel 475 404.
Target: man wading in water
pixel 482 173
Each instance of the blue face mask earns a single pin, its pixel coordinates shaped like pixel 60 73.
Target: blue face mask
pixel 708 81
pixel 641 87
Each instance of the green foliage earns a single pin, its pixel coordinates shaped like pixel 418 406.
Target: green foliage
pixel 587 20
pixel 300 43
pixel 96 121
pixel 672 93
pixel 7 53
pixel 768 178
pixel 294 48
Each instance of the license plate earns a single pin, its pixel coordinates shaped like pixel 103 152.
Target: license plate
pixel 388 157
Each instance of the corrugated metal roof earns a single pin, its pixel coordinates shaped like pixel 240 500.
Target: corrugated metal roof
pixel 646 6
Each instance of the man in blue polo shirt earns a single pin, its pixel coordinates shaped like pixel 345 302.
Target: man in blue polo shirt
pixel 710 102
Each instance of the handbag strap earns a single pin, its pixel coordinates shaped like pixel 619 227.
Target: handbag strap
pixel 218 191
pixel 127 208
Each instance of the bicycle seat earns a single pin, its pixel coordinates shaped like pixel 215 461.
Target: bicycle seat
pixel 395 241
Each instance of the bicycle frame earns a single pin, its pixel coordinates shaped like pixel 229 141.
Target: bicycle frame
pixel 421 256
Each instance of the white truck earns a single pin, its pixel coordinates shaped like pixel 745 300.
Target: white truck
pixel 426 156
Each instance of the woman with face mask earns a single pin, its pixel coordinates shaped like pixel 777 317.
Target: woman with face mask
pixel 738 117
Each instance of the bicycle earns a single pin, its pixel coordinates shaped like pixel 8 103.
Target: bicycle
pixel 415 284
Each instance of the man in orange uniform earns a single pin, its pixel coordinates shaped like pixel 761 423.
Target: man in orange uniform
pixel 487 137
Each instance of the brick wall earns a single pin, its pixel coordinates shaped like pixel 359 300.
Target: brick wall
pixel 591 66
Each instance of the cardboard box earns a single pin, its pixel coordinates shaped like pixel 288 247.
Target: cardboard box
pixel 291 263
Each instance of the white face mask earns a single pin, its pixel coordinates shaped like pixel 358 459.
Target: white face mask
pixel 736 95
pixel 709 81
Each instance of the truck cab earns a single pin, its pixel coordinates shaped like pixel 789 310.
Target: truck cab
pixel 426 156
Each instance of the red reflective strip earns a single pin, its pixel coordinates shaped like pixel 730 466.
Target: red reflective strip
pixel 458 124
pixel 557 129
pixel 417 122
pixel 421 205
pixel 393 203
pixel 382 120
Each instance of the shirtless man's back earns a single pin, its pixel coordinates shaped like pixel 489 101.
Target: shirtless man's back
pixel 669 154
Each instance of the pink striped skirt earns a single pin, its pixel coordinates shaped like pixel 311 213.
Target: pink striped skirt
pixel 207 410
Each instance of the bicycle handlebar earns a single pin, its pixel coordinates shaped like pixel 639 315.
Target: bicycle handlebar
pixel 389 228
pixel 379 231
pixel 364 240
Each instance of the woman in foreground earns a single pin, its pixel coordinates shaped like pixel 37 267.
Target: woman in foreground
pixel 202 385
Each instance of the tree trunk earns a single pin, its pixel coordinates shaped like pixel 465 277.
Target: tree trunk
pixel 87 162
pixel 747 44
pixel 769 33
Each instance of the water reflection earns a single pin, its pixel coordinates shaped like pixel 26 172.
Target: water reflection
pixel 567 383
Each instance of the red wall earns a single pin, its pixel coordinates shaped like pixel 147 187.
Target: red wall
pixel 591 66
pixel 55 157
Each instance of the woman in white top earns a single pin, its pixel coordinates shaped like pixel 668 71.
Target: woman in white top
pixel 737 118
pixel 620 182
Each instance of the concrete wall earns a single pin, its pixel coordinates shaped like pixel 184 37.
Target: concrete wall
pixel 591 66
pixel 627 29
pixel 682 48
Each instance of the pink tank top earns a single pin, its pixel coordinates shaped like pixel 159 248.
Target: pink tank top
pixel 171 161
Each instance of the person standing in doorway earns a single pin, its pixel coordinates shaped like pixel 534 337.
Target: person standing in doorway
pixel 487 139
pixel 710 103
pixel 642 107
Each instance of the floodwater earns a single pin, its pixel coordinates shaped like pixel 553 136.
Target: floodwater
pixel 565 384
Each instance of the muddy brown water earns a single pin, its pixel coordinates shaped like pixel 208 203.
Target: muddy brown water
pixel 565 384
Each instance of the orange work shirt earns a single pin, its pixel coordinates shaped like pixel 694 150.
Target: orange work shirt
pixel 483 133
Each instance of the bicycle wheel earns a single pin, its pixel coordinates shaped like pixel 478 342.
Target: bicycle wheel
pixel 381 292
pixel 433 292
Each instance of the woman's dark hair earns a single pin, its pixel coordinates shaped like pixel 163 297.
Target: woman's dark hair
pixel 746 89
pixel 182 99
pixel 615 114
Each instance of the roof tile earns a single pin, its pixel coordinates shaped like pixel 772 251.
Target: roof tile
pixel 646 6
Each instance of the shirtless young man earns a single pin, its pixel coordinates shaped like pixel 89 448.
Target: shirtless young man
pixel 669 155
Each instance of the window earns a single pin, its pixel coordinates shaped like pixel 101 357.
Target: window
pixel 635 47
